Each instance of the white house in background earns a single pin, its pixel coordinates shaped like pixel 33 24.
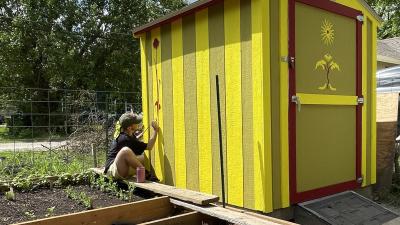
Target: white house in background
pixel 388 53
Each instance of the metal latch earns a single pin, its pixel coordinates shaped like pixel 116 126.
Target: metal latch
pixel 296 99
pixel 289 60
pixel 360 100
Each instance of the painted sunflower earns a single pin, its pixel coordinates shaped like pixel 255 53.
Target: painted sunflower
pixel 327 32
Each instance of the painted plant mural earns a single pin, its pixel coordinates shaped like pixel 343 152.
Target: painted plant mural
pixel 326 63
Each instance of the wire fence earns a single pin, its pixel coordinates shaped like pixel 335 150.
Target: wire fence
pixel 47 131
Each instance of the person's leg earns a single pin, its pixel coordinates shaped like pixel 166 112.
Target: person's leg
pixel 141 158
pixel 126 159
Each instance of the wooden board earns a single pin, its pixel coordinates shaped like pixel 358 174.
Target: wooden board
pixel 230 215
pixel 173 192
pixel 186 218
pixel 136 212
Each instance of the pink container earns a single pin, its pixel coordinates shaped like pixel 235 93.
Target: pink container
pixel 140 174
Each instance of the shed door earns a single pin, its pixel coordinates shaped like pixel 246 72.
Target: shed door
pixel 325 98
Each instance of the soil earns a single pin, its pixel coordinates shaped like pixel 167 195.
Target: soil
pixel 35 204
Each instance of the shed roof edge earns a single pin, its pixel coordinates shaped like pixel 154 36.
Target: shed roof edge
pixel 200 4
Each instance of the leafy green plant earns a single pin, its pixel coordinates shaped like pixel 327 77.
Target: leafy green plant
pixel 10 195
pixel 30 214
pixel 80 197
pixel 50 211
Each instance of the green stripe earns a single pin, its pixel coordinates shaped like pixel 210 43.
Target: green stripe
pixel 275 112
pixel 217 67
pixel 150 86
pixel 189 74
pixel 369 101
pixel 247 105
pixel 168 113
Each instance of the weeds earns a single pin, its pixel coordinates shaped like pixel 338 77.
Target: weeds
pixel 10 195
pixel 50 211
pixel 109 186
pixel 80 197
pixel 30 214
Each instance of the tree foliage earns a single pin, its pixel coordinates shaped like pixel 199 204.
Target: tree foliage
pixel 389 11
pixel 74 44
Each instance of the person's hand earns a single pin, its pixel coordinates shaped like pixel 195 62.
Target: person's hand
pixel 155 126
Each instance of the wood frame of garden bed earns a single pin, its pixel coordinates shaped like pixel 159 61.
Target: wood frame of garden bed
pixel 157 210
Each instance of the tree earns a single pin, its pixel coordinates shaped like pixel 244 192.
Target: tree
pixel 74 44
pixel 389 11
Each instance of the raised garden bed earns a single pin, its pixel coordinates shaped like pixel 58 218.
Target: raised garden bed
pixel 40 199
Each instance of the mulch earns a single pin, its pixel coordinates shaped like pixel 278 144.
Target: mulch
pixel 34 204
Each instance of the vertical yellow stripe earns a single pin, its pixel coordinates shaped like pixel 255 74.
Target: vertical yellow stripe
pixel 258 110
pixel 233 102
pixel 178 102
pixel 267 105
pixel 373 108
pixel 284 108
pixel 144 93
pixel 365 106
pixel 157 95
pixel 203 102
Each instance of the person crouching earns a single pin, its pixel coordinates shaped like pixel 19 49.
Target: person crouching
pixel 126 151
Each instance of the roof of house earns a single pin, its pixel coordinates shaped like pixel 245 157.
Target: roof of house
pixel 201 4
pixel 388 50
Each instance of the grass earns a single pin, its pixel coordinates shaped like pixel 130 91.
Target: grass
pixel 44 163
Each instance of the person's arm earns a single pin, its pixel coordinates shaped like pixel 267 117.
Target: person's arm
pixel 153 137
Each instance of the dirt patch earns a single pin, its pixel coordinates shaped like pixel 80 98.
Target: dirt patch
pixel 37 204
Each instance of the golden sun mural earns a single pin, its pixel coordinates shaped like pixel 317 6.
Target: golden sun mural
pixel 327 32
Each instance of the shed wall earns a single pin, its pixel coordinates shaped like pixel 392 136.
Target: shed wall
pixel 231 40
pixel 225 39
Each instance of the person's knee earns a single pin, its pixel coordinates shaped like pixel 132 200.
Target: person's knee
pixel 125 151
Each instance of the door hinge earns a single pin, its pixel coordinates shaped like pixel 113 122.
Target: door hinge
pixel 360 180
pixel 360 18
pixel 289 60
pixel 360 100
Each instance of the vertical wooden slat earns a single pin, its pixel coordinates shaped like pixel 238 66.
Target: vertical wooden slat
pixel 178 103
pixel 275 98
pixel 203 102
pixel 217 67
pixel 284 98
pixel 373 106
pixel 247 104
pixel 233 102
pixel 157 98
pixel 168 110
pixel 145 108
pixel 364 108
pixel 190 81
pixel 267 105
pixel 150 89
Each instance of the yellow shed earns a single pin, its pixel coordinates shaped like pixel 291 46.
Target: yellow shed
pixel 297 88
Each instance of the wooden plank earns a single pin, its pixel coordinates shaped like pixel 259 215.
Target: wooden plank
pixel 173 192
pixel 262 216
pixel 182 194
pixel 136 212
pixel 186 218
pixel 229 215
